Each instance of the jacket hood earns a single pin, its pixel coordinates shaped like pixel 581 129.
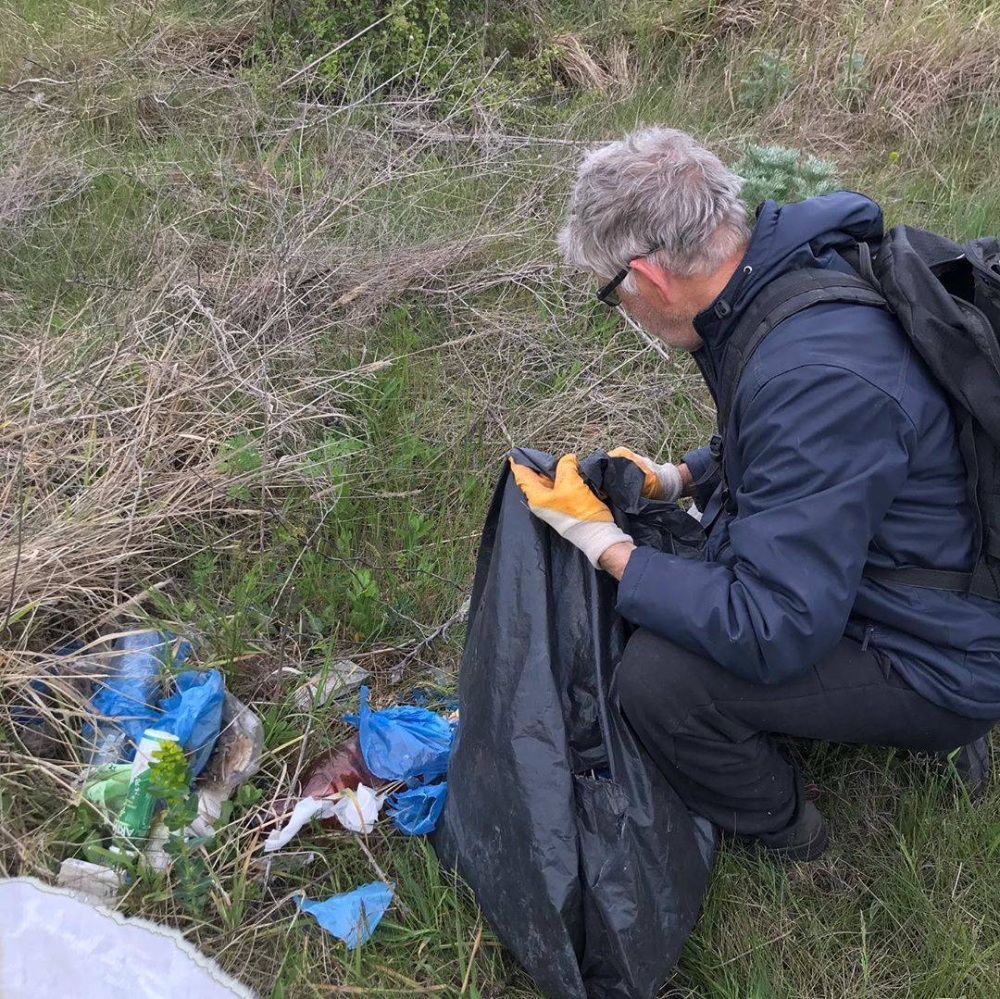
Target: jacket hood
pixel 791 237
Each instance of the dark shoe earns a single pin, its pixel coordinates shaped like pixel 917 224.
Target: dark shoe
pixel 972 764
pixel 805 840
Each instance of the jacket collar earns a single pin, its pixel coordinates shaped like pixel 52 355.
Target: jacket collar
pixel 803 234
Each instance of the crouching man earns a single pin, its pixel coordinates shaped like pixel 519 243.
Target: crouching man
pixel 840 454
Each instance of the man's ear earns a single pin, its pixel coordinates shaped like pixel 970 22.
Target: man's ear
pixel 661 280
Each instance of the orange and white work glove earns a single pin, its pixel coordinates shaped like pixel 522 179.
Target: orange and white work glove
pixel 663 482
pixel 569 507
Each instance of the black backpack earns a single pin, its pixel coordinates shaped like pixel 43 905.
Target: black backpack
pixel 946 296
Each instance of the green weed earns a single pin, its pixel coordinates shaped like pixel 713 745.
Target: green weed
pixel 768 79
pixel 783 174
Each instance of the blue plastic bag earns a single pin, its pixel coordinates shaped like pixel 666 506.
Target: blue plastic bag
pixel 403 742
pixel 415 812
pixel 194 714
pixel 354 915
pixel 127 696
pixel 24 713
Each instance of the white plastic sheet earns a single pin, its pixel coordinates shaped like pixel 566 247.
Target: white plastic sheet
pixel 54 943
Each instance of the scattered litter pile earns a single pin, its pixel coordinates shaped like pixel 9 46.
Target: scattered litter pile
pixel 399 756
pixel 138 735
pixel 157 735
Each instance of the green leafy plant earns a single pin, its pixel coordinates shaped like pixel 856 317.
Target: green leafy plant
pixel 767 81
pixel 853 83
pixel 85 834
pixel 169 773
pixel 784 174
pixel 278 731
pixel 406 40
pixel 366 603
pixel 170 780
pixel 238 456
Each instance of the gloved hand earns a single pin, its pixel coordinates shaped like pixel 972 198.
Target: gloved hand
pixel 569 507
pixel 663 482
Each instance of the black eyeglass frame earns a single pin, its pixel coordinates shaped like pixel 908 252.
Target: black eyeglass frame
pixel 605 292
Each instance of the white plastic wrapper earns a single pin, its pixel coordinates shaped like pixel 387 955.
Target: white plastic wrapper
pixel 356 812
pixel 331 683
pixel 54 943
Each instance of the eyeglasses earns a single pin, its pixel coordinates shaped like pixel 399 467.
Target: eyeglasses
pixel 608 294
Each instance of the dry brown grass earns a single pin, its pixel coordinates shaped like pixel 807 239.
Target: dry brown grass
pixel 924 64
pixel 121 434
pixel 933 62
pixel 31 182
pixel 112 443
pixel 580 68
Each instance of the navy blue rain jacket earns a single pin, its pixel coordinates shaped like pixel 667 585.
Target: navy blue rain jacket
pixel 841 450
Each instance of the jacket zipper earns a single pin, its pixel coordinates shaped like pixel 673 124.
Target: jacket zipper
pixel 869 631
pixel 706 365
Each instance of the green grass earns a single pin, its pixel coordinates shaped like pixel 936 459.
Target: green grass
pixel 192 252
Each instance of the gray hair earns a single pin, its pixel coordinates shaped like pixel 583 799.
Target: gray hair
pixel 657 186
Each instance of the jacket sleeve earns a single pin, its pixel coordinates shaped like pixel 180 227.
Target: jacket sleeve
pixel 824 452
pixel 704 471
pixel 700 463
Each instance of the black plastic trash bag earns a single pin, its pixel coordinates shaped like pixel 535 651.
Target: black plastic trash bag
pixel 585 862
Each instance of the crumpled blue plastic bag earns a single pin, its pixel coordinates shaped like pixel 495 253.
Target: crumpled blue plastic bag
pixel 126 697
pixel 402 742
pixel 354 915
pixel 194 714
pixel 415 812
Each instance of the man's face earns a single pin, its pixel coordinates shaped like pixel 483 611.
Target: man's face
pixel 663 303
pixel 669 322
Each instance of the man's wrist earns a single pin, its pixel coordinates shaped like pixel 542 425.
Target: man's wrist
pixel 594 538
pixel 615 558
pixel 687 480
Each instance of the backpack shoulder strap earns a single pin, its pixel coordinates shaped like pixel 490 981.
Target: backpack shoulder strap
pixel 777 301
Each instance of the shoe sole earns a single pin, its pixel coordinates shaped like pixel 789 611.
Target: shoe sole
pixel 801 853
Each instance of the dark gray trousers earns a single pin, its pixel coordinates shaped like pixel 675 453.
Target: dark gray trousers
pixel 710 731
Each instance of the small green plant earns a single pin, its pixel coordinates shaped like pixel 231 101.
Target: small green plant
pixel 278 731
pixel 170 780
pixel 853 83
pixel 406 40
pixel 85 834
pixel 783 174
pixel 169 773
pixel 240 455
pixel 438 48
pixel 767 81
pixel 367 608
